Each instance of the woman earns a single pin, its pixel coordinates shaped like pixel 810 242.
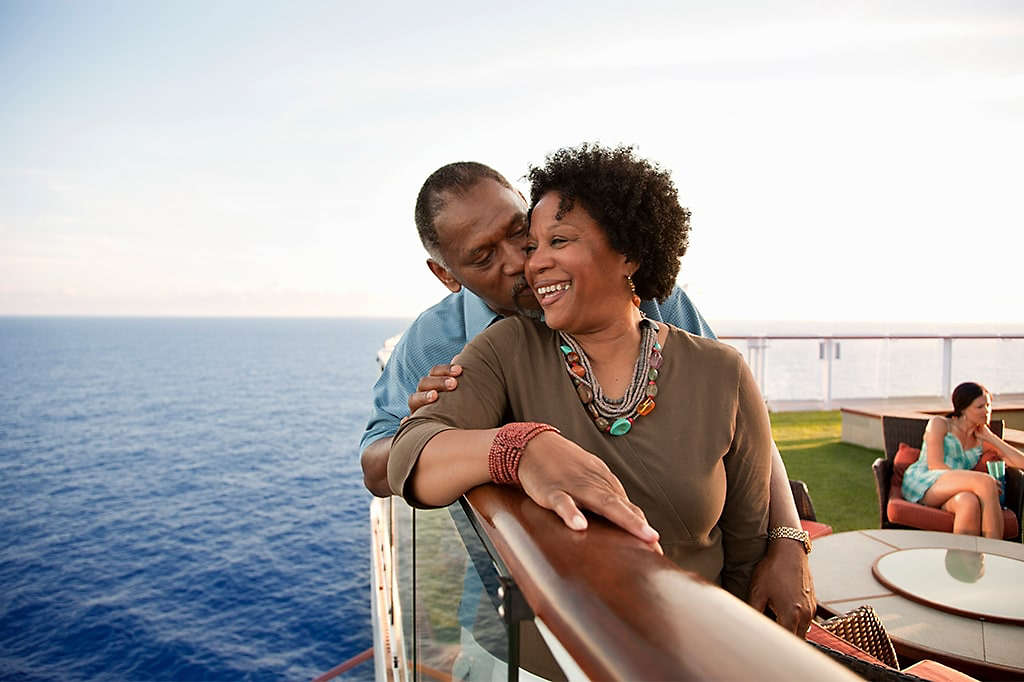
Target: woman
pixel 603 403
pixel 943 475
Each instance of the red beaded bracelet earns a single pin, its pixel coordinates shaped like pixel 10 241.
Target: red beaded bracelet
pixel 507 449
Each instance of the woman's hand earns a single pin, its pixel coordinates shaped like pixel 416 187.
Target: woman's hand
pixel 561 476
pixel 985 434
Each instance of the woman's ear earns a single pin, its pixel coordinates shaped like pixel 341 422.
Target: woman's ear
pixel 444 275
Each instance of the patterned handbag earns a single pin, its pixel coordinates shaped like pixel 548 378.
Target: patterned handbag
pixel 862 628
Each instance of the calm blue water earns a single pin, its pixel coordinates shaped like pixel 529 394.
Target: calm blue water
pixel 182 499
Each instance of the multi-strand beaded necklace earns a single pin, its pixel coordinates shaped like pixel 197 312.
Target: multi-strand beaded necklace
pixel 616 417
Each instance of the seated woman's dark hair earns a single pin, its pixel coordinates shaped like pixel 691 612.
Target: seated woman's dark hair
pixel 632 199
pixel 965 394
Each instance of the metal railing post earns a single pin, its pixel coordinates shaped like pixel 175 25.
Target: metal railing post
pixel 829 353
pixel 755 359
pixel 947 366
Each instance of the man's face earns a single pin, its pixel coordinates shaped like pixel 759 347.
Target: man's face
pixel 482 236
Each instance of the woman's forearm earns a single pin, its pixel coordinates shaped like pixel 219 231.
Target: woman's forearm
pixel 1010 454
pixel 450 464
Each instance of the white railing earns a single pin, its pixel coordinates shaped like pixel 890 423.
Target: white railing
pixel 879 366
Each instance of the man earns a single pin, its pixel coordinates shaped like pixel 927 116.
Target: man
pixel 473 224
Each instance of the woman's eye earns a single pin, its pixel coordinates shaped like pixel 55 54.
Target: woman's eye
pixel 529 248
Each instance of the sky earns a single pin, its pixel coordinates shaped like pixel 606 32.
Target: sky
pixel 842 161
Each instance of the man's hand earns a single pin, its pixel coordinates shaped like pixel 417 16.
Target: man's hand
pixel 441 378
pixel 561 476
pixel 782 582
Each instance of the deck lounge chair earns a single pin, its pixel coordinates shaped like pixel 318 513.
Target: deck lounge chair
pixel 805 510
pixel 903 437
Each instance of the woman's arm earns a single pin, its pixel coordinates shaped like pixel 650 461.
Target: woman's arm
pixel 1007 452
pixel 744 521
pixel 441 453
pixel 451 463
pixel 934 434
pixel 554 472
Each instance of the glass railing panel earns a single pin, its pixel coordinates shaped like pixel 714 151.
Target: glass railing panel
pixel 905 359
pixel 793 370
pixel 440 577
pixel 882 368
pixel 998 364
pixel 459 633
pixel 785 369
pixel 403 541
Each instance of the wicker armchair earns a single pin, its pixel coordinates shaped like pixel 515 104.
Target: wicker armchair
pixel 805 510
pixel 910 430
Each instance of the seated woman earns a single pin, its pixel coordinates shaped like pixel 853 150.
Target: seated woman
pixel 604 404
pixel 942 476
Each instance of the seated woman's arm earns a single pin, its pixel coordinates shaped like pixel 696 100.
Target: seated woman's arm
pixel 441 452
pixel 934 434
pixel 1007 452
pixel 744 521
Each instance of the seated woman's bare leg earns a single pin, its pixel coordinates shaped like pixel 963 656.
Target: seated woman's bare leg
pixel 966 510
pixel 982 485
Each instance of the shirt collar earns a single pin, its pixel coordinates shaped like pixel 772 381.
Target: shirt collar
pixel 477 315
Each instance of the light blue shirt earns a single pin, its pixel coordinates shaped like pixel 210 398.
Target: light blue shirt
pixel 442 330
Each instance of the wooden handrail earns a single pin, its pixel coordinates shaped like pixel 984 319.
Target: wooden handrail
pixel 625 613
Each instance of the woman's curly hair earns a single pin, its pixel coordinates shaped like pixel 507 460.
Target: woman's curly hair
pixel 632 199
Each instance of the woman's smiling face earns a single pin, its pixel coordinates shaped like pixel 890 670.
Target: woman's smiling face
pixel 579 280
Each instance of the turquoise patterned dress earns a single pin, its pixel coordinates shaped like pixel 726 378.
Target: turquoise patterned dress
pixel 918 477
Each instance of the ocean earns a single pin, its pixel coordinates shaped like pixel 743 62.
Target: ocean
pixel 181 499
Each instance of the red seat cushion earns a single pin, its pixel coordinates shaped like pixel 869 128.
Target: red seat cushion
pixel 921 516
pixel 816 529
pixel 905 456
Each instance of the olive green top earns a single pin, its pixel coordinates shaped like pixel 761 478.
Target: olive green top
pixel 698 465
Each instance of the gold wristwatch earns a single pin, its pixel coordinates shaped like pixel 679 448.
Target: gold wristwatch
pixel 801 536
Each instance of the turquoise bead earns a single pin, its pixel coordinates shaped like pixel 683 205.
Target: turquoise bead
pixel 620 427
pixel 565 349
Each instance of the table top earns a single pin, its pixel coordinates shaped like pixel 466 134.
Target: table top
pixel 843 580
pixel 960 581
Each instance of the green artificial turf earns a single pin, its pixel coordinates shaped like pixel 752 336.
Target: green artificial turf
pixel 838 475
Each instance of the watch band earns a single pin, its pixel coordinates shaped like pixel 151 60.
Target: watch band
pixel 801 536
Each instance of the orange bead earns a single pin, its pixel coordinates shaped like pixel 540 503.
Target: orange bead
pixel 646 407
pixel 578 370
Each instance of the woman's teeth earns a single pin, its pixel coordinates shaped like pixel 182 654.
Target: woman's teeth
pixel 552 288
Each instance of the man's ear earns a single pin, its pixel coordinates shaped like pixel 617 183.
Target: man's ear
pixel 444 275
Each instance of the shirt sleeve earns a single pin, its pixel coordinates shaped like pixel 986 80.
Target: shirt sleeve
pixel 480 402
pixel 679 310
pixel 433 338
pixel 744 521
pixel 391 393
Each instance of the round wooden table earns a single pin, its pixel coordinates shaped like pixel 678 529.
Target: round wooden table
pixel 924 622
